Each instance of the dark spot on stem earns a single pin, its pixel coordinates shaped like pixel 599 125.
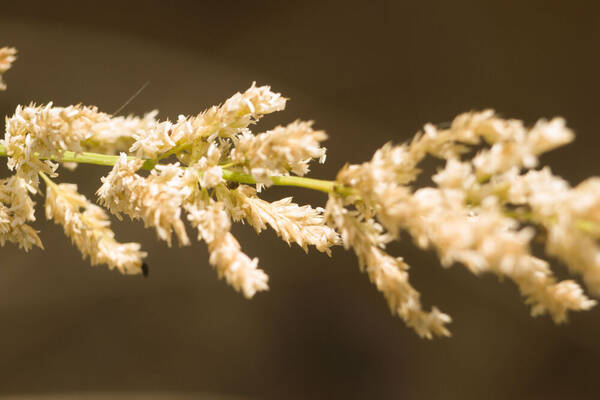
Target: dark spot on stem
pixel 145 270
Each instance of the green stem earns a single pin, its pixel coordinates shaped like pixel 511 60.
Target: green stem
pixel 229 175
pixel 48 180
pixel 299 181
pixel 87 158
pixel 174 150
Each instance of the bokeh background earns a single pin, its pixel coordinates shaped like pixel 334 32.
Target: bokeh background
pixel 367 73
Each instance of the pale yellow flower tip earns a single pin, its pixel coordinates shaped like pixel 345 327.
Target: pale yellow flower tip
pixel 7 57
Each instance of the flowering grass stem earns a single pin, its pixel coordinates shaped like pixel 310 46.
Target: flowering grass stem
pixel 484 208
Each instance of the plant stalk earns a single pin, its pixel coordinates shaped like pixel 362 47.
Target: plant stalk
pixel 229 175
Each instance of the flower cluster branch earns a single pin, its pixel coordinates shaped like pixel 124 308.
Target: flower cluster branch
pixel 487 203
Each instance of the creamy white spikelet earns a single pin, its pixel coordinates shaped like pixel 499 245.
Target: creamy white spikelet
pixel 211 175
pixel 523 147
pixel 164 136
pixel 88 226
pixel 465 219
pixel 303 225
pixel 456 175
pixel 380 183
pixel 118 133
pixel 484 240
pixel 571 217
pixel 398 164
pixel 16 210
pixel 280 151
pixel 389 274
pixel 149 143
pixel 236 114
pixel 120 184
pixel 35 132
pixel 469 127
pixel 156 200
pixel 566 296
pixel 208 169
pixel 549 135
pixel 389 164
pixel 7 58
pixel 233 265
pixel 512 145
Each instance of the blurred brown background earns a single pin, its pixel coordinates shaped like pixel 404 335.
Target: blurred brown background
pixel 367 72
